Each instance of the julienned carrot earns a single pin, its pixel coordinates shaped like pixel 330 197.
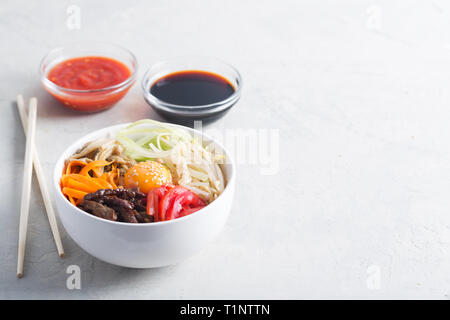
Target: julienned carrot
pixel 93 165
pixel 72 183
pixel 94 182
pixel 77 182
pixel 112 176
pixel 71 200
pixel 111 179
pixel 71 164
pixel 74 193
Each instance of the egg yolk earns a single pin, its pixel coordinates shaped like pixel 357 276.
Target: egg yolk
pixel 147 175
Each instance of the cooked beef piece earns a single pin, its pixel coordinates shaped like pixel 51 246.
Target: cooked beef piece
pixel 99 210
pixel 143 217
pixel 125 194
pixel 139 206
pixel 128 205
pixel 123 208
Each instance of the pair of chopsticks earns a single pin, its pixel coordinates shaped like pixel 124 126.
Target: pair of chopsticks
pixel 31 157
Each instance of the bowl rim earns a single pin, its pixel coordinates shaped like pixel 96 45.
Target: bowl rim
pixel 77 143
pixel 51 85
pixel 211 106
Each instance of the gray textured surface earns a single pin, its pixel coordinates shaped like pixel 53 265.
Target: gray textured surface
pixel 364 164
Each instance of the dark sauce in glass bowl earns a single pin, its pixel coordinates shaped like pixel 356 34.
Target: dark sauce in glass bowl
pixel 192 88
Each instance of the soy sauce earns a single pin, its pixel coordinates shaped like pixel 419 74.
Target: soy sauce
pixel 192 88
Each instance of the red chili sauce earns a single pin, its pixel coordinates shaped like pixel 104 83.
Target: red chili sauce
pixel 89 73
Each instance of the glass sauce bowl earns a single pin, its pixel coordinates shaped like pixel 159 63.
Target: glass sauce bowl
pixel 179 112
pixel 91 100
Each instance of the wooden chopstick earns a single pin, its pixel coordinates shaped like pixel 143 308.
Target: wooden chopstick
pixel 42 183
pixel 26 185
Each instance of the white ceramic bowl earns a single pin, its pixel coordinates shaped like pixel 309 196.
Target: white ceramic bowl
pixel 146 245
